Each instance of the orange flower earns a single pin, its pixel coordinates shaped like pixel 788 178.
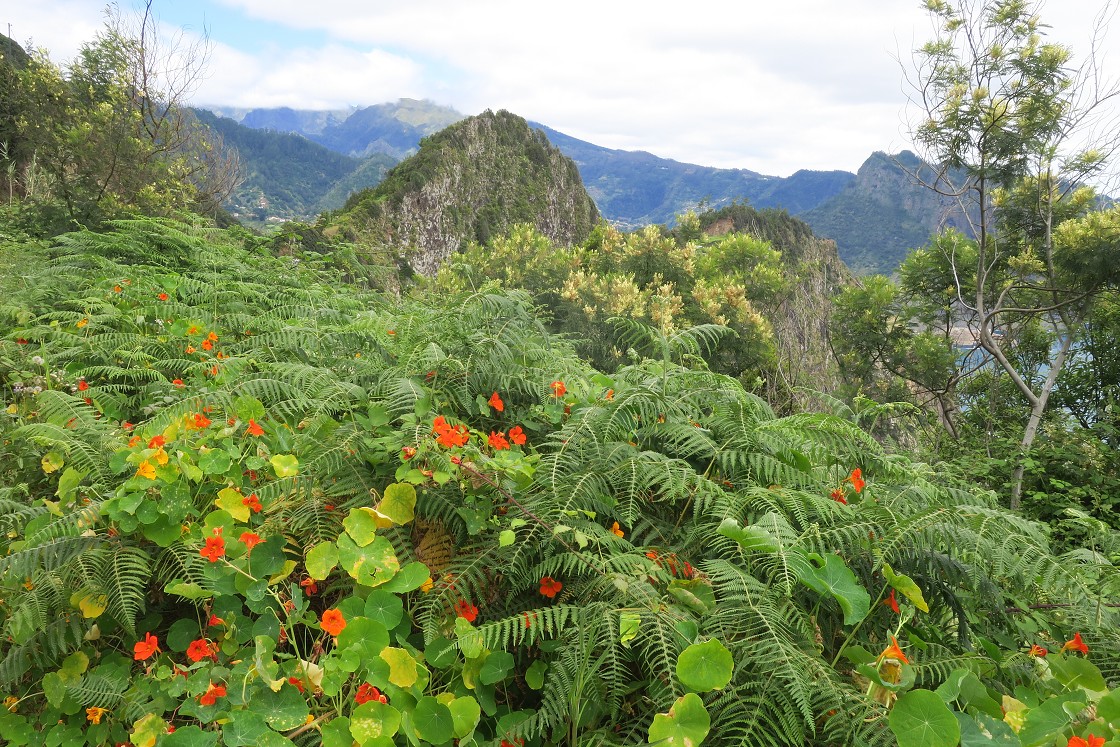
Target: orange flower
pixel 117 289
pixel 212 337
pixel 516 435
pixel 558 389
pixel 408 452
pixel 214 621
pixel 892 602
pixel 156 442
pixel 333 622
pixel 82 385
pixel 296 683
pixel 146 648
pixel 893 652
pixel 449 436
pixel 466 610
pixel 367 692
pixel 178 382
pixel 81 323
pixel 617 530
pixel 133 441
pixel 214 370
pixel 94 714
pixel 250 540
pixel 496 402
pixel 253 502
pixel 147 470
pixel 190 349
pixel 207 345
pixel 838 496
pixel 1093 741
pixel 254 429
pixel 498 440
pixel 201 421
pixel 127 425
pixel 856 479
pixel 214 549
pixel 162 296
pixel 202 649
pixel 309 585
pixel 193 330
pixel 1038 651
pixel 1076 644
pixel 210 697
pixel 550 586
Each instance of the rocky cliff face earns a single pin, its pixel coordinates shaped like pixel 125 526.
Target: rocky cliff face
pixel 472 180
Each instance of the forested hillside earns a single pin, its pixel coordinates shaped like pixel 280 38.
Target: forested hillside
pixel 462 465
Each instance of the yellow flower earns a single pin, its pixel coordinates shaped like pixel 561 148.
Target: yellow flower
pixel 160 457
pixel 427 585
pixel 617 531
pixel 81 323
pixel 146 470
pixel 11 702
pixel 94 714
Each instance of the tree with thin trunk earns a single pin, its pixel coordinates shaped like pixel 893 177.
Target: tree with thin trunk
pixel 1017 132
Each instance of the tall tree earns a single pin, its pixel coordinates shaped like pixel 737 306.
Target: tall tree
pixel 1011 124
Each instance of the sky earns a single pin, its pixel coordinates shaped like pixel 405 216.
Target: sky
pixel 772 86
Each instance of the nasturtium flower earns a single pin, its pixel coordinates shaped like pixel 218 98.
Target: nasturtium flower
pixel 133 441
pixel 498 440
pixel 213 692
pixel 838 496
pixel 117 289
pixel 214 548
pixel 146 470
pixel 200 421
pixel 466 610
pixel 1076 644
pixel 609 396
pixel 449 436
pixel 617 530
pixel 214 621
pixel 367 692
pixel 1092 741
pixel 146 648
pixel 558 389
pixel 162 296
pixel 408 452
pixel 496 402
pixel 309 586
pixel 516 435
pixel 892 602
pixel 207 345
pixel 253 502
pixel 178 382
pixel 550 587
pixel 212 337
pixel 296 682
pixel 1038 651
pixel 81 323
pixel 856 479
pixel 189 349
pixel 893 652
pixel 254 429
pixel 156 441
pixel 333 622
pixel 428 585
pixel 250 539
pixel 202 649
pixel 94 714
pixel 161 457
pixel 82 385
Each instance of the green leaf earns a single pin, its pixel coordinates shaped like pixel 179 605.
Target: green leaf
pixel 215 462
pixel 244 729
pixel 402 667
pixel 834 578
pixel 920 718
pixel 336 732
pixel 705 666
pixel 398 503
pixel 496 667
pixel 187 590
pixel 385 608
pixel 361 525
pixel 286 465
pixel 1077 672
pixel 284 709
pixel 685 725
pixel 534 675
pixel 1108 708
pixel 985 731
pixel 628 625
pixel 1044 722
pixel 248 408
pixel 905 585
pixel 372 720
pixel 190 736
pixel 506 537
pixel 321 560
pixel 465 713
pixel 410 577
pixel 364 636
pixel 433 720
pixel 750 538
pixel 371 565
pixel 695 594
pixel 441 652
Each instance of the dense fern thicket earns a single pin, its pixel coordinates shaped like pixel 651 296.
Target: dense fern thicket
pixel 245 502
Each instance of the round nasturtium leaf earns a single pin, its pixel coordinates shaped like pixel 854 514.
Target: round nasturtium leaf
pixel 361 524
pixel 232 502
pixel 920 718
pixel 371 565
pixel 363 636
pixel 402 667
pixel 385 608
pixel 215 462
pixel 286 465
pixel 283 710
pixel 433 720
pixel 685 725
pixel 321 560
pixel 374 719
pixel 496 667
pixel 190 736
pixel 399 503
pixel 705 666
pixel 465 713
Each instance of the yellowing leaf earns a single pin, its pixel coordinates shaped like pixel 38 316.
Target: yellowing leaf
pixel 399 503
pixel 231 501
pixel 286 465
pixel 91 605
pixel 52 462
pixel 402 667
pixel 147 730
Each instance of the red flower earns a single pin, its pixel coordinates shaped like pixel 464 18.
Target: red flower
pixel 838 496
pixel 146 648
pixel 21 341
pixel 296 683
pixel 254 429
pixel 1076 644
pixel 496 402
pixel 202 649
pixel 550 586
pixel 309 586
pixel 893 652
pixel 516 435
pixel 1038 651
pixel 558 389
pixel 178 382
pixel 250 540
pixel 162 296
pixel 210 697
pixel 253 502
pixel 1093 741
pixel 201 421
pixel 207 345
pixel 214 621
pixel 214 549
pixel 450 436
pixel 466 610
pixel 408 452
pixel 117 289
pixel 127 425
pixel 156 442
pixel 82 385
pixel 892 602
pixel 333 622
pixel 498 440
pixel 367 692
pixel 856 479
